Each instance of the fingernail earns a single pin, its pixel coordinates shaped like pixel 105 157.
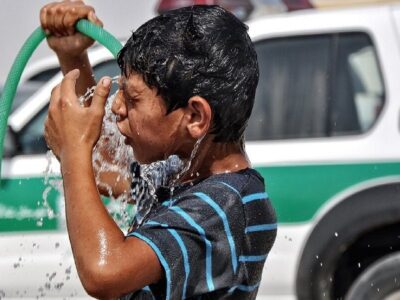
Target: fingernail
pixel 106 82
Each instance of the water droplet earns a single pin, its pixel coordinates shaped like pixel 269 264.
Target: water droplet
pixel 39 222
pixel 59 285
pixel 359 265
pixel 336 234
pixel 52 276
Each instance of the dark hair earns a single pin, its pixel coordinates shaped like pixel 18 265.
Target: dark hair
pixel 199 50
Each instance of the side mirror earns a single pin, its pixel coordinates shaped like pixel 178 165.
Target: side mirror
pixel 10 143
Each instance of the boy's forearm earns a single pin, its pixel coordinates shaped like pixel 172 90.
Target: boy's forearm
pixel 86 79
pixel 91 230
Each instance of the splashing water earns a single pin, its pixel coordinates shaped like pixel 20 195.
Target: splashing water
pixel 148 178
pixel 110 154
pixel 186 167
pixel 90 91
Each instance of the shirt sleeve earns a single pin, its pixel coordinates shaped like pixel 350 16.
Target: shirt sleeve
pixel 197 240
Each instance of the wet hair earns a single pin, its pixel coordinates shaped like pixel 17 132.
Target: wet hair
pixel 199 50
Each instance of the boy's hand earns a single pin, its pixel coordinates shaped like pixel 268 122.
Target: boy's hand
pixel 59 19
pixel 71 128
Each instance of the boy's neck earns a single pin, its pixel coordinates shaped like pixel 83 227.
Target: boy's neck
pixel 216 158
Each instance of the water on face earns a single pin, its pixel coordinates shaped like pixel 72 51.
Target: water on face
pixel 111 154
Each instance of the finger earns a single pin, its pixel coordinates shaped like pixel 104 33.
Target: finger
pixel 55 19
pixel 54 98
pixel 67 88
pixel 101 93
pixel 69 22
pixel 45 17
pixel 63 28
pixel 92 17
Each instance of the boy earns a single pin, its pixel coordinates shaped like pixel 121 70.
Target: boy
pixel 188 80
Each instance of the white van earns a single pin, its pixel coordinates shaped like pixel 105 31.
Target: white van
pixel 324 134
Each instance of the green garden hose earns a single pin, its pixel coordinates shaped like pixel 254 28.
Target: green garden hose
pixel 95 32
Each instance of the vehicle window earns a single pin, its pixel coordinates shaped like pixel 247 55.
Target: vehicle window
pixel 31 137
pixel 45 75
pixel 316 86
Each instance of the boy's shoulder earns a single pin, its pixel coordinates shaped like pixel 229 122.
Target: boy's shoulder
pixel 241 183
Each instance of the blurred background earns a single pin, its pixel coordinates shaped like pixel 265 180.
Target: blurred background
pixel 19 18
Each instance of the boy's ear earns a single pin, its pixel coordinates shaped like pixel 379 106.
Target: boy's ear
pixel 199 116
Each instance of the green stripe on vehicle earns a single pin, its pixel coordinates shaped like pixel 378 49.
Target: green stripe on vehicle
pixel 21 205
pixel 298 191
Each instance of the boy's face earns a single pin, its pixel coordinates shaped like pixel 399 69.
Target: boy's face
pixel 151 133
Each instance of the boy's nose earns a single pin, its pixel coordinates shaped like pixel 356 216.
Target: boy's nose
pixel 118 106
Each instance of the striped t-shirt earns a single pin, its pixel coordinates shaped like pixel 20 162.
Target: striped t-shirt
pixel 212 238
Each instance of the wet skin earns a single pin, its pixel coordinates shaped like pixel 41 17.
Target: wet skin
pixel 143 120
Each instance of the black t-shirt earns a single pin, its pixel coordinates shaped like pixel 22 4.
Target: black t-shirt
pixel 212 238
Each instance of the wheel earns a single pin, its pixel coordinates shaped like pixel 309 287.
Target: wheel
pixel 380 281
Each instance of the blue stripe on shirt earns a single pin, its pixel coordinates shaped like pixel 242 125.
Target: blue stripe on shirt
pixel 167 203
pixel 228 232
pixel 253 197
pixel 248 288
pixel 244 288
pixel 231 187
pixel 185 259
pixel 160 257
pixel 201 231
pixel 147 289
pixel 261 227
pixel 183 248
pixel 252 258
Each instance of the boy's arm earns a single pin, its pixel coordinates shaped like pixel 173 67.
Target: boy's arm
pixel 109 265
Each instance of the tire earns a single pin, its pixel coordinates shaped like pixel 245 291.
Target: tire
pixel 380 281
pixel 359 214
